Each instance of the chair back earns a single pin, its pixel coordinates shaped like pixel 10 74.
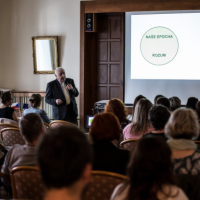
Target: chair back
pixel 102 185
pixel 11 136
pixel 198 144
pixel 46 125
pixel 59 123
pixel 26 183
pixel 8 125
pixel 128 144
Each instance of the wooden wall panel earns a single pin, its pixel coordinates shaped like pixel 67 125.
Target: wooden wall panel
pixel 110 56
pixel 102 74
pixel 114 74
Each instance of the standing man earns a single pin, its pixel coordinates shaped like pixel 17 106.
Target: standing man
pixel 61 94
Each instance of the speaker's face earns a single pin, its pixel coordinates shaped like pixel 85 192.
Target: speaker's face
pixel 60 75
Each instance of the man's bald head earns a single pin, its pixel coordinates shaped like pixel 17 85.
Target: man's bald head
pixel 58 69
pixel 60 74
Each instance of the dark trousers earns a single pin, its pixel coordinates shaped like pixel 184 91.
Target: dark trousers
pixel 70 114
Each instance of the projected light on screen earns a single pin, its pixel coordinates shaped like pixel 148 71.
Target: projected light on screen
pixel 159 46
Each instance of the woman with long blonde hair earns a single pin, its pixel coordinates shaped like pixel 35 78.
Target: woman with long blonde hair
pixel 140 124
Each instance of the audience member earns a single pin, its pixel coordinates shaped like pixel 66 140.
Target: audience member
pixel 182 127
pixel 35 102
pixel 158 117
pixel 31 128
pixel 151 174
pixel 157 97
pixel 135 102
pixel 175 103
pixel 64 158
pixel 105 128
pixel 191 103
pixel 117 107
pixel 198 110
pixel 163 101
pixel 5 110
pixel 140 124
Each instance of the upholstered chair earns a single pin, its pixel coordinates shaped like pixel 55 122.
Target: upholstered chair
pixel 9 122
pixel 26 183
pixel 58 123
pixel 128 144
pixel 102 185
pixel 11 136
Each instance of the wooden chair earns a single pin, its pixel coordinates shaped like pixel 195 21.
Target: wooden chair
pixel 26 183
pixel 6 125
pixel 11 136
pixel 46 125
pixel 102 185
pixel 58 123
pixel 198 144
pixel 128 144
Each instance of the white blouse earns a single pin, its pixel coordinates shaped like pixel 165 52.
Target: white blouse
pixel 174 189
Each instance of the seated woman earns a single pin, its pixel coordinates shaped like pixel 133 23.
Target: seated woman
pixel 181 128
pixel 5 110
pixel 175 103
pixel 104 129
pixel 151 174
pixel 135 102
pixel 140 124
pixel 35 102
pixel 191 103
pixel 117 107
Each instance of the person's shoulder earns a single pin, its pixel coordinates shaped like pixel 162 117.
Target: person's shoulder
pixel 120 192
pixel 52 82
pixel 10 109
pixel 126 128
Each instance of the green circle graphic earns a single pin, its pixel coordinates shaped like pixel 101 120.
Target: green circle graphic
pixel 159 46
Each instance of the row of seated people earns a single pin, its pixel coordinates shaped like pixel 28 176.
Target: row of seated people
pixel 65 159
pixel 106 128
pixel 35 101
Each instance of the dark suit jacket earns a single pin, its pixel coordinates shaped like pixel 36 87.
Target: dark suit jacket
pixel 54 91
pixel 107 157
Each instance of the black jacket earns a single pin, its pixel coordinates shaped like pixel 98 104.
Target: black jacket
pixel 107 157
pixel 54 91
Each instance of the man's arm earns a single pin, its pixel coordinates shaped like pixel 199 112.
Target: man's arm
pixel 49 96
pixel 75 91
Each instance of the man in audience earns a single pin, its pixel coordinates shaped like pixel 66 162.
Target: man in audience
pixel 156 97
pixel 64 158
pixel 158 116
pixel 163 101
pixel 31 128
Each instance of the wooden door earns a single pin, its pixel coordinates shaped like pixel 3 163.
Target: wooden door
pixel 110 52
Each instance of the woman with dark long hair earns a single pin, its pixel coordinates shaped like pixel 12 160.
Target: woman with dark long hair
pixel 151 174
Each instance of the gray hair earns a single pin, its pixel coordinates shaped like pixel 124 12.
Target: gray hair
pixel 59 68
pixel 183 124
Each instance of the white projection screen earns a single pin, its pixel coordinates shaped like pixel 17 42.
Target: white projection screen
pixel 162 55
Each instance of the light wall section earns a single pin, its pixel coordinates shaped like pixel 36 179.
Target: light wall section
pixel 20 20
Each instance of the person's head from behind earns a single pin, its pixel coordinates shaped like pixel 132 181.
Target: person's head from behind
pixel 158 117
pixel 35 100
pixel 6 98
pixel 117 107
pixel 140 119
pixel 156 97
pixel 31 127
pixel 64 158
pixel 135 102
pixel 182 124
pixel 105 127
pixel 149 169
pixel 175 103
pixel 198 109
pixel 191 103
pixel 163 101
